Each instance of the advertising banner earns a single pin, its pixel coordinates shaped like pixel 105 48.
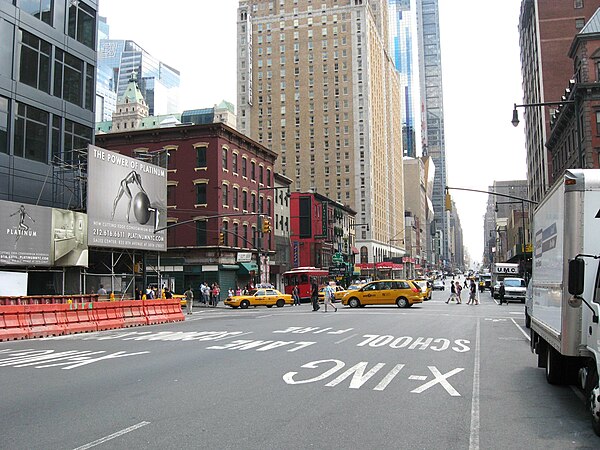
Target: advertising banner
pixel 127 202
pixel 42 236
pixel 26 234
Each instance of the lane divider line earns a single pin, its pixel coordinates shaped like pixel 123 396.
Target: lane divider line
pixel 113 436
pixel 474 435
pixel 520 329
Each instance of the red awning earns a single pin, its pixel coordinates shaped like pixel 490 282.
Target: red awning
pixel 355 250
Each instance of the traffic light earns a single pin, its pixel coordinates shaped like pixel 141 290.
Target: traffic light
pixel 221 238
pixel 448 202
pixel 266 226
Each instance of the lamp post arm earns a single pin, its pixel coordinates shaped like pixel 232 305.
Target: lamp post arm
pixel 196 220
pixel 497 194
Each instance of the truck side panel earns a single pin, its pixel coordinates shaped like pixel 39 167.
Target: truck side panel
pixel 548 265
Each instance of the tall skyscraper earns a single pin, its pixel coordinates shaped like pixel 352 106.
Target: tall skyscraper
pixel 47 78
pixel 432 106
pixel 119 59
pixel 317 85
pixel 546 31
pixel 402 16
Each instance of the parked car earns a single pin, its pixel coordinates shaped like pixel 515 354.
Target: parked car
pixel 402 293
pixel 425 289
pixel 514 289
pixel 260 297
pixel 439 285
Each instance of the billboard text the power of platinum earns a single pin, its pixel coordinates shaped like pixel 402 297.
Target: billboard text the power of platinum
pixel 127 202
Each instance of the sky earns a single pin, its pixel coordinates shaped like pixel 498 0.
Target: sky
pixel 481 73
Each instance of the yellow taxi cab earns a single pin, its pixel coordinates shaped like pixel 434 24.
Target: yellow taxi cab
pixel 402 293
pixel 338 295
pixel 260 297
pixel 181 298
pixel 425 288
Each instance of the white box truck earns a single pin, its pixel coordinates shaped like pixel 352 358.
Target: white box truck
pixel 565 333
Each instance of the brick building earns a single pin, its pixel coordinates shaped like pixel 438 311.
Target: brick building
pixel 220 185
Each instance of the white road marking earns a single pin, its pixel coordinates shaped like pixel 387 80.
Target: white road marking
pixel 418 377
pixel 474 435
pixel 440 378
pixel 232 336
pixel 345 339
pixel 517 313
pixel 520 329
pixel 113 436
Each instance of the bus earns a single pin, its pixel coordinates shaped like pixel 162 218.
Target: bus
pixel 303 276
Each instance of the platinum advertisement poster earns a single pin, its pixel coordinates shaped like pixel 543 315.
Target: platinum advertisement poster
pixel 127 202
pixel 27 233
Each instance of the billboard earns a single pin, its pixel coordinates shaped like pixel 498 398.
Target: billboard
pixel 127 202
pixel 42 236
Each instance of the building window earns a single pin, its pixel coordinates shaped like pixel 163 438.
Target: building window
pixel 41 9
pixel 225 231
pixel 579 23
pixel 201 232
pixel 245 200
pixel 68 77
pixel 201 194
pixel 76 138
pixel 244 167
pixel 31 133
pixel 225 192
pixel 236 232
pixel 224 158
pixel 253 202
pixel 268 207
pixel 597 122
pixel 4 102
pixel 245 235
pixel 235 198
pixel 260 204
pixel 261 174
pixel 234 163
pixel 268 177
pixel 253 171
pixel 201 157
pixel 578 4
pixel 82 23
pixel 35 62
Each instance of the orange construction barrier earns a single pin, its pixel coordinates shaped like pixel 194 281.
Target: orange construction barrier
pixel 108 316
pixel 11 323
pixel 133 313
pixel 80 318
pixel 44 320
pixel 174 312
pixel 155 312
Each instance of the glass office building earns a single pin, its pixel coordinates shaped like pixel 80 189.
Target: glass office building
pixel 432 105
pixel 119 59
pixel 47 99
pixel 402 20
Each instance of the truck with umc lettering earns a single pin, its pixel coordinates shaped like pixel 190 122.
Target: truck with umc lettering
pixel 565 285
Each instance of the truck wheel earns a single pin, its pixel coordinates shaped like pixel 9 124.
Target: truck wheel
pixel 594 400
pixel 555 366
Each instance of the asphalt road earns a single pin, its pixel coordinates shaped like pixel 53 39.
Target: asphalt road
pixel 434 376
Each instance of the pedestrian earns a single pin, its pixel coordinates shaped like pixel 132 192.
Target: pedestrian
pixel 101 290
pixel 189 300
pixel 238 291
pixel 205 291
pixel 472 294
pixel 168 293
pixel 501 292
pixel 230 292
pixel 150 293
pixel 466 284
pixel 138 294
pixel 314 295
pixel 215 294
pixel 458 291
pixel 296 295
pixel 329 296
pixel 452 293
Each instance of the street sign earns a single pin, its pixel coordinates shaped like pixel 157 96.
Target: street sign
pixel 337 258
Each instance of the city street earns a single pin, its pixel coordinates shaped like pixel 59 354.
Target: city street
pixel 434 376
